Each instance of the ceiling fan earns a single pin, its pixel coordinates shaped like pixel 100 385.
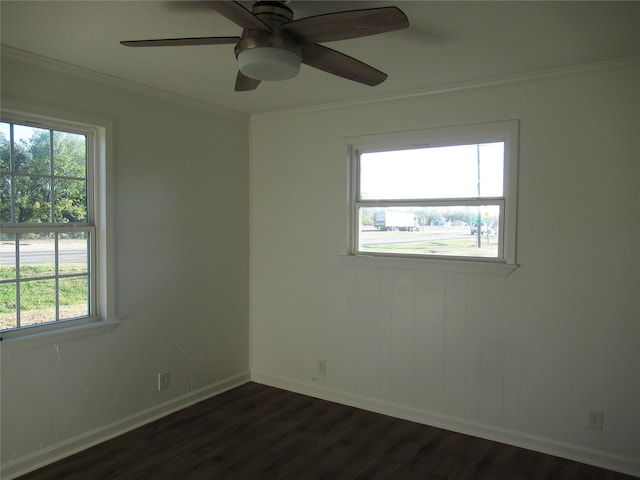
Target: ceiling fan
pixel 273 44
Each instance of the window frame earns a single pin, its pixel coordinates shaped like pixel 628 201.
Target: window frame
pixel 98 134
pixel 506 131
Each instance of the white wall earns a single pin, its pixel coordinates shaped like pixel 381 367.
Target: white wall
pixel 181 274
pixel 519 358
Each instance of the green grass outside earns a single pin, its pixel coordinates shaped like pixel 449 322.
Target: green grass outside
pixel 39 294
pixel 454 247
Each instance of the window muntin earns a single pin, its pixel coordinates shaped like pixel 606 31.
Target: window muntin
pixel 423 194
pixel 48 236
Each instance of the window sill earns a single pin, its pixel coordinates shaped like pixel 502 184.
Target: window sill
pixel 26 341
pixel 446 265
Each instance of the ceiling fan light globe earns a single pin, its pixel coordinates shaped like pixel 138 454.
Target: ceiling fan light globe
pixel 269 63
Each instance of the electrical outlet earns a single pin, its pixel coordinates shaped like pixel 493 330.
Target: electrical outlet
pixel 163 380
pixel 321 367
pixel 595 419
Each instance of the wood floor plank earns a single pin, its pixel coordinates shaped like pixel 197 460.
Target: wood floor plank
pixel 260 432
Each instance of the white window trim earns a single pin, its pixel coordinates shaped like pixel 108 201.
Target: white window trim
pixel 103 319
pixel 507 131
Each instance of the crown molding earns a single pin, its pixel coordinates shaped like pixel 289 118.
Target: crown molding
pixel 91 75
pixel 471 85
pixel 29 58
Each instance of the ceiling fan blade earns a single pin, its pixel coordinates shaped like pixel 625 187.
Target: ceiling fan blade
pixel 350 24
pixel 239 15
pixel 244 83
pixel 342 65
pixel 180 42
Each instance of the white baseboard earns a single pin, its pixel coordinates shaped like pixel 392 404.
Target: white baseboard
pixel 623 464
pixel 61 450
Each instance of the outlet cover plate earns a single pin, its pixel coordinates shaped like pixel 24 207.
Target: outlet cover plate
pixel 163 380
pixel 595 419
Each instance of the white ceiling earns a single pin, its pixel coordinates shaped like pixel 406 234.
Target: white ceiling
pixel 449 43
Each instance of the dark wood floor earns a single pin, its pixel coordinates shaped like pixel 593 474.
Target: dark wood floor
pixel 261 432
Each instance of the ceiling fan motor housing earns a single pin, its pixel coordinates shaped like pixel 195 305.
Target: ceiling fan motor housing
pixel 274 55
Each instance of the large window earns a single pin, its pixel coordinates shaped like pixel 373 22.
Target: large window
pixel 443 193
pixel 49 204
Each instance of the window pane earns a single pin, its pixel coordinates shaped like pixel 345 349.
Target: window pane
pixel 460 171
pixel 5 166
pixel 37 255
pixel 8 317
pixel 70 201
pixel 443 230
pixel 33 200
pixel 37 302
pixel 74 297
pixel 7 256
pixel 5 199
pixel 5 147
pixel 73 253
pixel 32 150
pixel 69 155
